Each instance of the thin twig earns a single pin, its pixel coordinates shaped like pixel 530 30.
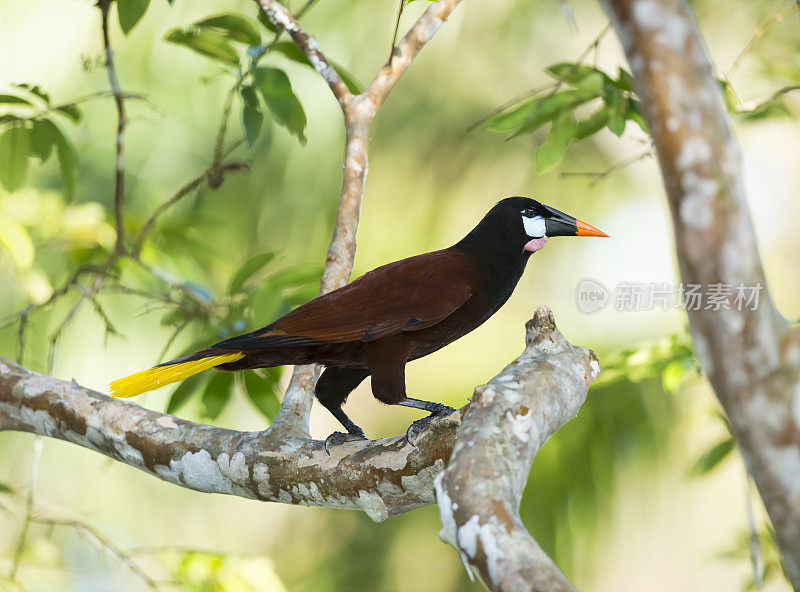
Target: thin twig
pixel 758 34
pixel 746 108
pixel 34 475
pixel 172 339
pixel 188 188
pixel 599 177
pixel 86 294
pixel 103 543
pixel 396 28
pixel 552 87
pixel 119 165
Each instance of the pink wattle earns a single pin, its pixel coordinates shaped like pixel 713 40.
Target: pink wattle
pixel 535 244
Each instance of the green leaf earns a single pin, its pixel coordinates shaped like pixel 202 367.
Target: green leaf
pixel 770 109
pixel 216 394
pixel 34 89
pixel 728 96
pixel 15 145
pixel 352 83
pixel 262 391
pixel 624 80
pixel 295 276
pixel 71 111
pixel 247 270
pixel 184 392
pixel 206 42
pixel 67 157
pixel 529 116
pixel 592 85
pixel 552 151
pixel 634 114
pixel 619 107
pixel 14 100
pixel 276 89
pixel 575 74
pixel 130 12
pixel 291 51
pixel 42 139
pixel 711 458
pixel 252 117
pixel 6 488
pixel 592 125
pixel 673 373
pixel 234 26
pixel 173 318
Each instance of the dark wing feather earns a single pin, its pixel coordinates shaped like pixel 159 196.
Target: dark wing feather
pixel 406 295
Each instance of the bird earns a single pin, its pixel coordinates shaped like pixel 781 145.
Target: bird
pixel 394 314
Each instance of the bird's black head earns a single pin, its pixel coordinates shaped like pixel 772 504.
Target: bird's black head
pixel 523 225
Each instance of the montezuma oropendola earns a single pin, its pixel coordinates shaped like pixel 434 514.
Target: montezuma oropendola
pixel 389 316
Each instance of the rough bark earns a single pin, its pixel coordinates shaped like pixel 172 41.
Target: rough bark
pixel 382 478
pixel 506 424
pixel 751 356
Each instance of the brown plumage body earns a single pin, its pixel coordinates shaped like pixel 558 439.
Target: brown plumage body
pixel 375 325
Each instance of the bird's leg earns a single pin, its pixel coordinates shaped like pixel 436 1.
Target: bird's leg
pixel 353 431
pixel 332 390
pixel 435 410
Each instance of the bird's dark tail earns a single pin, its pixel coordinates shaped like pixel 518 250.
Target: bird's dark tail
pixel 173 371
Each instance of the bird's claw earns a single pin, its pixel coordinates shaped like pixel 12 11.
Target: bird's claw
pixel 416 427
pixel 337 438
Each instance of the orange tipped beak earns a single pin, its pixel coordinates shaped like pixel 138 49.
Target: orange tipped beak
pixel 585 229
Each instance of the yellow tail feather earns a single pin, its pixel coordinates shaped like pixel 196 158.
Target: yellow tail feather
pixel 147 380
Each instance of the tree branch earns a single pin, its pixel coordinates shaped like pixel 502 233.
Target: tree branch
pixel 280 16
pixel 382 478
pixel 405 51
pixel 122 120
pixel 750 354
pixel 359 112
pixel 505 426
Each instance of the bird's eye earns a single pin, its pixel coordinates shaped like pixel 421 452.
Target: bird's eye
pixel 528 213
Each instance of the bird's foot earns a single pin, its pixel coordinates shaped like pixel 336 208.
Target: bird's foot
pixel 337 438
pixel 416 427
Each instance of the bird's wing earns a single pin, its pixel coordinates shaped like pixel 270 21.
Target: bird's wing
pixel 407 295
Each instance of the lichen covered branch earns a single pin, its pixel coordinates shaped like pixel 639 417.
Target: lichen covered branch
pixel 750 354
pixel 282 18
pixel 505 426
pixel 382 478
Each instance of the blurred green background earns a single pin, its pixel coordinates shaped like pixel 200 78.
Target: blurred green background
pixel 617 496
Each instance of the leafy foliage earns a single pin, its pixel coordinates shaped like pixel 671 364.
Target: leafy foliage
pixel 614 103
pixel 276 90
pixel 560 109
pixel 203 571
pixel 257 290
pixel 713 457
pixel 27 121
pixel 130 12
pixel 218 37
